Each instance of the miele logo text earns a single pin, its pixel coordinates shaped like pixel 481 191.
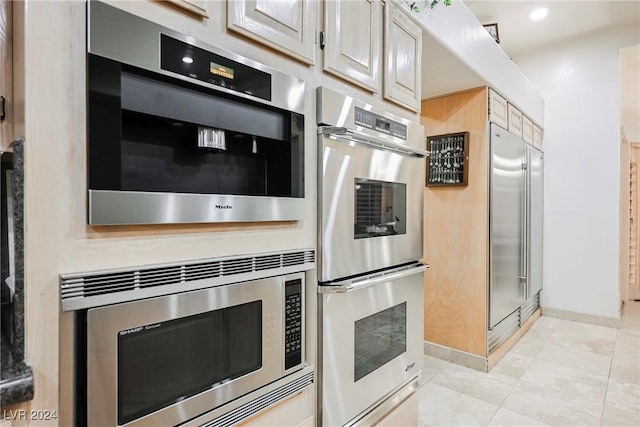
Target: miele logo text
pixel 224 207
pixel 410 366
pixel 131 331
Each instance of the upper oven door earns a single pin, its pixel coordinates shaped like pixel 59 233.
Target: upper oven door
pixel 370 204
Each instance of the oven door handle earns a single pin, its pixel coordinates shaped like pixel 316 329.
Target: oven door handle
pixel 360 138
pixel 372 280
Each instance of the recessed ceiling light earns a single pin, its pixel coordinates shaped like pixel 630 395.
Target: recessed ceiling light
pixel 187 60
pixel 539 14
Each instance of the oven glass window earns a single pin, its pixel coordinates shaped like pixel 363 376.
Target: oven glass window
pixel 379 338
pixel 380 208
pixel 163 363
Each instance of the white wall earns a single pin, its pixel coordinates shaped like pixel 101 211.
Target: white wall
pixel 579 81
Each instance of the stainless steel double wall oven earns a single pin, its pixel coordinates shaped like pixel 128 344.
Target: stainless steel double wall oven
pixel 371 175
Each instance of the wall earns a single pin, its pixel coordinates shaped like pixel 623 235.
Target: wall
pixel 579 81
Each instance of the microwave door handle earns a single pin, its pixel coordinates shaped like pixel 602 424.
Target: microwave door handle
pixel 350 286
pixel 377 143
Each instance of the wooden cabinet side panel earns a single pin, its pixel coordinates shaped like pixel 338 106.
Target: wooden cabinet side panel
pixel 456 236
pixel 6 74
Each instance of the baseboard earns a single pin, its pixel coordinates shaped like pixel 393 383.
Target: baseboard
pixel 458 357
pixel 608 322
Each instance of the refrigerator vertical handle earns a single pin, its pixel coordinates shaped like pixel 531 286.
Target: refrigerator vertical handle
pixel 524 264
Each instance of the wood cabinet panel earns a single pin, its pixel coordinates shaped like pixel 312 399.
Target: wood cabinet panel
pixel 6 73
pixel 514 120
pixel 456 234
pixel 198 7
pixel 527 130
pixel 537 137
pixel 403 58
pixel 497 109
pixel 352 41
pixel 284 25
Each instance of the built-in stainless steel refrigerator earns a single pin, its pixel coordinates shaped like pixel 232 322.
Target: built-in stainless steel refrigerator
pixel 515 229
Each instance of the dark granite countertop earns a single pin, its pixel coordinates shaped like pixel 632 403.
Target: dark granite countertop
pixel 16 378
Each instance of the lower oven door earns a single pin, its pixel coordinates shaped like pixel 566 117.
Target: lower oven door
pixel 372 335
pixel 165 360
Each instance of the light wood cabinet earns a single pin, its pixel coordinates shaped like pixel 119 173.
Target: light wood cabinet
pixel 285 25
pixel 351 41
pixel 453 287
pixel 537 137
pixel 6 75
pixel 527 130
pixel 514 120
pixel 402 58
pixel 197 7
pixel 497 109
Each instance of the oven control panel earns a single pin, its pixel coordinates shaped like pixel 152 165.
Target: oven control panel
pixel 379 123
pixel 293 323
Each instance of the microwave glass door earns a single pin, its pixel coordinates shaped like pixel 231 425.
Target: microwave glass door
pixel 163 363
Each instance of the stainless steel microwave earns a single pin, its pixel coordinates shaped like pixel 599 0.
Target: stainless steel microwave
pixel 166 360
pixel 180 131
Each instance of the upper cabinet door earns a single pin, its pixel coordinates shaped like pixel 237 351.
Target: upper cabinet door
pixel 497 109
pixel 527 130
pixel 514 121
pixel 537 137
pixel 403 58
pixel 284 25
pixel 353 30
pixel 199 7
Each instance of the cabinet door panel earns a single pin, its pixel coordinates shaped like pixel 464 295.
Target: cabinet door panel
pixel 527 130
pixel 199 7
pixel 514 121
pixel 352 49
pixel 497 109
pixel 403 58
pixel 284 25
pixel 537 137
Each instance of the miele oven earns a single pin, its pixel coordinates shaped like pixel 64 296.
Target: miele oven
pixel 371 176
pixel 179 131
pixel 230 344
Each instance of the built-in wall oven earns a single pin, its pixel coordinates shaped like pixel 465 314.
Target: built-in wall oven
pixel 181 131
pixel 371 179
pixel 237 329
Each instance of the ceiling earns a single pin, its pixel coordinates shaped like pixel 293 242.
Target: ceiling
pixel 565 20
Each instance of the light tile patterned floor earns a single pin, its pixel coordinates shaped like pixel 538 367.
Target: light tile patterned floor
pixel 560 373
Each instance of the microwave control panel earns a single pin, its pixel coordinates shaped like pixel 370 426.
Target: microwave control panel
pixel 293 323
